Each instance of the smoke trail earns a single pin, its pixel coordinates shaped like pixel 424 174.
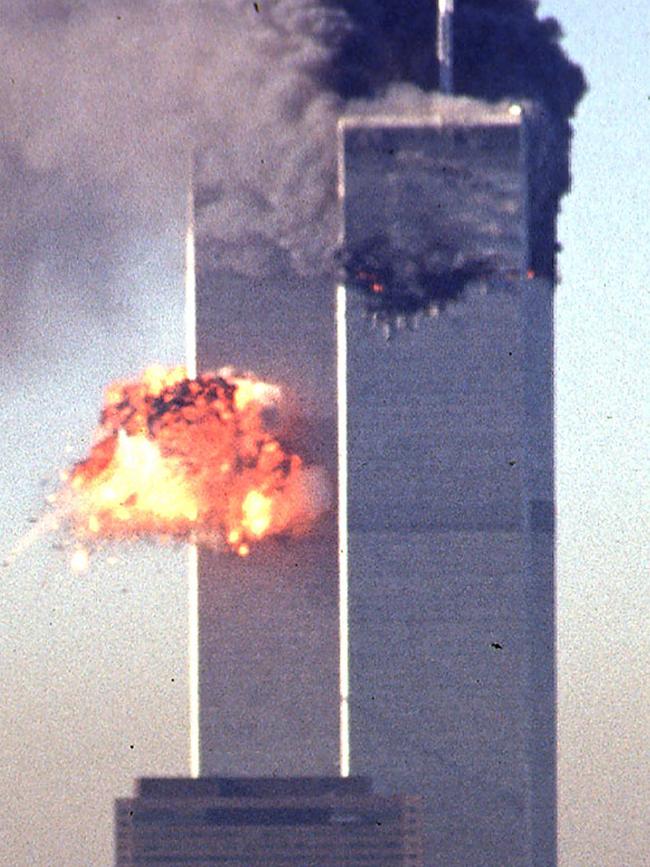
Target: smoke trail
pixel 101 101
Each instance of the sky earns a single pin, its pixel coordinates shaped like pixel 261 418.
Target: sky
pixel 603 469
pixel 83 655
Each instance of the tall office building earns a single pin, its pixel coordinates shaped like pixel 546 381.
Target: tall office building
pixel 268 658
pixel 449 480
pixel 266 822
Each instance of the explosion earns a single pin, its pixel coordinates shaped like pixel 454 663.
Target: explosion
pixel 191 459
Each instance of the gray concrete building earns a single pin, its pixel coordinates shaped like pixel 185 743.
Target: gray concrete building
pixel 278 822
pixel 268 658
pixel 446 495
pixel 449 491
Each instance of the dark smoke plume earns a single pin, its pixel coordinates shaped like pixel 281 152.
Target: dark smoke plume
pixel 403 283
pixel 101 103
pixel 502 50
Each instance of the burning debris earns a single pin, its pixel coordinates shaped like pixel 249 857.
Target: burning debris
pixel 191 459
pixel 399 284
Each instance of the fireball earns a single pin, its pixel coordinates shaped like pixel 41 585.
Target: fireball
pixel 191 458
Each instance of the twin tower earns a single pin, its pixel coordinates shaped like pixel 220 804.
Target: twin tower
pixel 410 638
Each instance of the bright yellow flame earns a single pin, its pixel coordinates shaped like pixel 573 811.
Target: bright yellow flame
pixel 138 483
pixel 256 511
pixel 190 458
pixel 254 391
pixel 156 377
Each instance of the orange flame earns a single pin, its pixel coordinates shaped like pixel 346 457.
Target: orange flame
pixel 192 459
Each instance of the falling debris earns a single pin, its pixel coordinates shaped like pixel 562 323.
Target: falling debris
pixel 40 527
pixel 191 459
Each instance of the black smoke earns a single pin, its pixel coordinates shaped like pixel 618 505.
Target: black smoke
pixel 502 50
pixel 101 102
pixel 402 283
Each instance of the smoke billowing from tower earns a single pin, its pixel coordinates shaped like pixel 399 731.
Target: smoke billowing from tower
pixel 99 104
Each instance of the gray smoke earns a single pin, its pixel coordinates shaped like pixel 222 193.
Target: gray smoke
pixel 102 103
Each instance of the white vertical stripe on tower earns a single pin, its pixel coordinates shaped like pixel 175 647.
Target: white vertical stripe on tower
pixel 193 655
pixel 445 45
pixel 190 289
pixel 192 553
pixel 342 409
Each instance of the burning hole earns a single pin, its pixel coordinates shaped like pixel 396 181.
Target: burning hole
pixel 190 459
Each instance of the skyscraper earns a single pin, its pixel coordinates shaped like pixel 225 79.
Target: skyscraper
pixel 427 661
pixel 447 497
pixel 268 659
pixel 448 486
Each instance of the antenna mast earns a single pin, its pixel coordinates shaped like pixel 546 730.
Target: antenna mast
pixel 445 45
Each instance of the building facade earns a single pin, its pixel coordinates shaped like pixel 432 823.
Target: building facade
pixel 449 490
pixel 266 822
pixel 446 501
pixel 268 665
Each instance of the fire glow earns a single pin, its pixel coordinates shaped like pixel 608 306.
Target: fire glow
pixel 192 459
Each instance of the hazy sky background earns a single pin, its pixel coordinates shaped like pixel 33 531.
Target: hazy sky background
pixel 603 465
pixel 94 691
